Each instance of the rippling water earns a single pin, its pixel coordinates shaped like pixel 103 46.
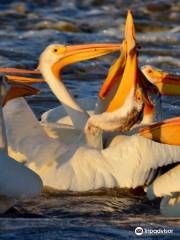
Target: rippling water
pixel 26 29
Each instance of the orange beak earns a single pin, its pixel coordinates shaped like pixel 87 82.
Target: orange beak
pixel 79 53
pixel 21 79
pixel 114 74
pixel 84 52
pixel 19 90
pixel 167 131
pixel 126 66
pixel 167 84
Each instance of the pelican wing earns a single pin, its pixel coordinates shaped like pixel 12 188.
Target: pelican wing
pixel 27 140
pixel 134 158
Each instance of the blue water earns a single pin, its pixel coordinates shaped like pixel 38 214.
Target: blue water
pixel 27 27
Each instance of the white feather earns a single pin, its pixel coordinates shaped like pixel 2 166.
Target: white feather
pixel 78 167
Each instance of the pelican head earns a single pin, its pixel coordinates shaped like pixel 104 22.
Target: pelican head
pixel 168 84
pixel 56 56
pixel 122 118
pixel 51 55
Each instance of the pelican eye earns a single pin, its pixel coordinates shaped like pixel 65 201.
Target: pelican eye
pixel 58 50
pixel 138 95
pixel 149 71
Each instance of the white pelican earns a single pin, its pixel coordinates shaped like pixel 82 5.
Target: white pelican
pixel 16 180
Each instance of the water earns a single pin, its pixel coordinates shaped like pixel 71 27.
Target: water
pixel 26 29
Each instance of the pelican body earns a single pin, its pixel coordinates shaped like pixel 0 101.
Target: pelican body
pixel 16 180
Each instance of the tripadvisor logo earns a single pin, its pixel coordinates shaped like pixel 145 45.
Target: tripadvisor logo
pixel 139 231
pixel 159 231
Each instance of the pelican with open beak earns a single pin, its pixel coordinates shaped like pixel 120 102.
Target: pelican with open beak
pixel 127 103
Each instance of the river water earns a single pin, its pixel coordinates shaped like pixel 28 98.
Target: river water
pixel 27 27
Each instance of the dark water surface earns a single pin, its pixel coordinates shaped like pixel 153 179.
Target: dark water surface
pixel 27 27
